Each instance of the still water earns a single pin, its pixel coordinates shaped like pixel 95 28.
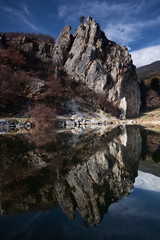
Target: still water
pixel 89 184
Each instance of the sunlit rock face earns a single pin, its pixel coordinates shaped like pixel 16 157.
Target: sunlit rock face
pixel 104 66
pixel 62 47
pixel 88 56
pixel 87 177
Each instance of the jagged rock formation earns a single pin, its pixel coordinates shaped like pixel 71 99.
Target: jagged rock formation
pixel 62 47
pixel 34 48
pixel 102 64
pixel 88 56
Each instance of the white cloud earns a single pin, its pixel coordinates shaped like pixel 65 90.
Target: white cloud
pixel 147 181
pixel 146 55
pixel 25 8
pixel 21 15
pixel 121 22
pixel 122 33
pixel 125 32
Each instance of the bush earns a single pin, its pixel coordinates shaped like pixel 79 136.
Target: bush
pixel 12 86
pixel 155 84
pixel 42 115
pixel 152 99
pixel 81 19
pixel 40 36
pixel 12 58
pixel 83 27
pixel 70 55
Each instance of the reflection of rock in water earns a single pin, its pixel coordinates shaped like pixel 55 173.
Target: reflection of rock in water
pixel 105 177
pixel 104 172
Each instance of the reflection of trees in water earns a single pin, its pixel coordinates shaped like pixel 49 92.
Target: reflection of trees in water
pixel 88 176
pixel 150 145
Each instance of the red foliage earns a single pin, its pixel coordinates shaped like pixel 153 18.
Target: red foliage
pixel 152 99
pixel 12 86
pixel 42 115
pixel 150 94
pixel 12 58
pixel 40 36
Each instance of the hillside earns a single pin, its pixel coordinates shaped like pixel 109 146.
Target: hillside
pixel 79 74
pixel 31 85
pixel 149 70
pixel 149 80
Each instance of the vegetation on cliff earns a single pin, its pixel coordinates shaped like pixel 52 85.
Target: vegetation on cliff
pixel 38 76
pixel 149 78
pixel 32 87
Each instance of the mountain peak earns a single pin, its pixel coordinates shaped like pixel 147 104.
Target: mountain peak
pixel 104 66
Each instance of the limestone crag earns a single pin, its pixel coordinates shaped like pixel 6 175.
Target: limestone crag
pixel 62 47
pixel 102 64
pixel 38 49
pixel 88 56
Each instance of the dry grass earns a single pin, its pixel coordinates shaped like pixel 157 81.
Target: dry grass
pixel 150 120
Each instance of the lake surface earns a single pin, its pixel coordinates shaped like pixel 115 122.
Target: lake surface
pixel 80 184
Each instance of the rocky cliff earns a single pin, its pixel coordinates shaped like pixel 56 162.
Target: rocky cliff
pixel 100 63
pixel 33 48
pixel 88 57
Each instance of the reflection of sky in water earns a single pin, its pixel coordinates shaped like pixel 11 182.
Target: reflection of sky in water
pixel 133 217
pixel 147 181
pixel 136 217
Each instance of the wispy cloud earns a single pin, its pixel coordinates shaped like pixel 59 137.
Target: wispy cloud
pixel 122 22
pixel 128 32
pixel 21 14
pixel 26 10
pixel 146 55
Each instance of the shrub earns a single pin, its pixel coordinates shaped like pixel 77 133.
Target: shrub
pixel 83 27
pixel 81 19
pixel 155 84
pixel 12 86
pixel 42 115
pixel 40 36
pixel 70 55
pixel 12 58
pixel 152 99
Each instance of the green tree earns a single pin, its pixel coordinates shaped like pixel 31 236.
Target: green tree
pixel 81 19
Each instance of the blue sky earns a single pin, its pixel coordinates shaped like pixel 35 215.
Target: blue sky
pixel 134 23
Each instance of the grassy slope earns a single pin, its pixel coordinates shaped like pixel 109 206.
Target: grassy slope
pixel 151 120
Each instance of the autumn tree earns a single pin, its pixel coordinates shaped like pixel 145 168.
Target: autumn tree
pixel 12 58
pixel 12 87
pixel 40 36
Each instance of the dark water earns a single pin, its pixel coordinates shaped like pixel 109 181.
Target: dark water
pixel 80 185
